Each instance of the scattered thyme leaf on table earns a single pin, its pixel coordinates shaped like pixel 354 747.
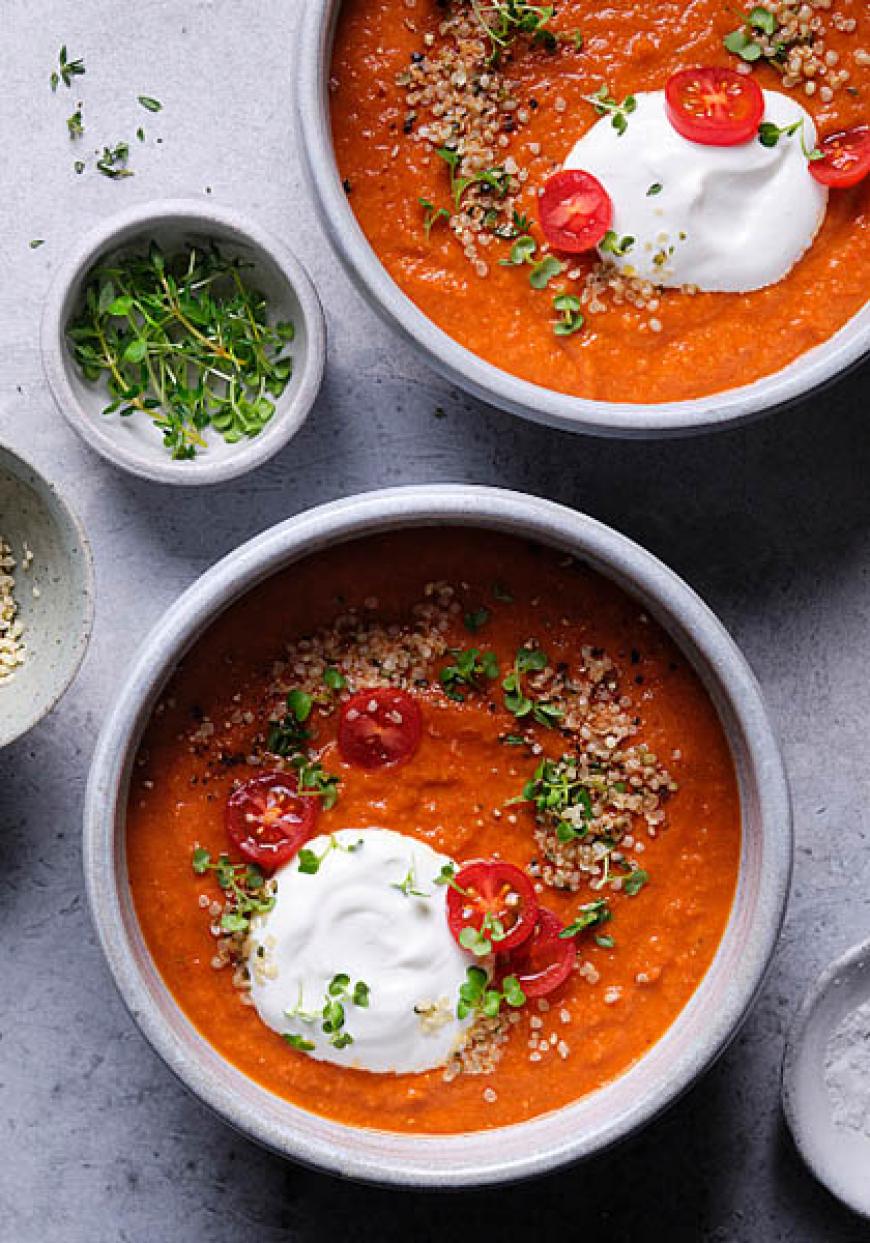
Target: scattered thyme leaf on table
pixel 184 340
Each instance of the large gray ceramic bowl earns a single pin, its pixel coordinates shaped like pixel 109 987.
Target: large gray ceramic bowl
pixel 702 1030
pixel 624 419
pixel 54 593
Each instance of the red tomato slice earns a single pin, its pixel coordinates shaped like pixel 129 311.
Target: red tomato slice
pixel 717 107
pixel 267 821
pixel 543 961
pixel 575 210
pixel 846 158
pixel 492 890
pixel 379 728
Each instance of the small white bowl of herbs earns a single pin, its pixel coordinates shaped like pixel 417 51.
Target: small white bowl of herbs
pixel 184 343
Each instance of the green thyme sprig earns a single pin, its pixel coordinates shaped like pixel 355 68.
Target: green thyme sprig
pixel 603 103
pixel 185 340
pixel 244 885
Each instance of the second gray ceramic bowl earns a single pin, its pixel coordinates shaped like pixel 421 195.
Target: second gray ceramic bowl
pixel 817 367
pixel 55 593
pixel 134 443
pixel 590 1125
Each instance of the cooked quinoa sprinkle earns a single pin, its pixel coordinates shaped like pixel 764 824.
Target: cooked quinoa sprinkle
pixel 12 647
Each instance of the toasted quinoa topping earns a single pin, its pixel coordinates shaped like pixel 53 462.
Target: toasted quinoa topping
pixel 12 647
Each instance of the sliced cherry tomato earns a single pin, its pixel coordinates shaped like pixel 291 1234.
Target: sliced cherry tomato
pixel 717 107
pixel 575 210
pixel 544 960
pixel 497 900
pixel 267 820
pixel 846 158
pixel 379 728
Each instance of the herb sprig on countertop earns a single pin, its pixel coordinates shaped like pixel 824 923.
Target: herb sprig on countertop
pixel 66 70
pixel 183 339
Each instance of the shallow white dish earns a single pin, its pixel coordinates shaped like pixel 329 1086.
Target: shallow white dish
pixel 700 1033
pixel 55 594
pixel 838 1156
pixel 134 443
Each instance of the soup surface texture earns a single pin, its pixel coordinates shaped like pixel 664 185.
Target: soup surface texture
pixel 392 108
pixel 637 696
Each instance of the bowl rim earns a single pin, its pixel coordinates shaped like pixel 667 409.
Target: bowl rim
pixel 117 230
pixel 80 647
pixel 812 370
pixel 453 1160
pixel 808 1143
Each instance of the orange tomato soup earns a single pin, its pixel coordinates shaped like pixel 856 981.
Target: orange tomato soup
pixel 682 346
pixel 455 795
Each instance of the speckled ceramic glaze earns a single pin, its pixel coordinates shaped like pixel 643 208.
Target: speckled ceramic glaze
pixel 738 405
pixel 57 616
pixel 134 443
pixel 838 1156
pixel 704 1027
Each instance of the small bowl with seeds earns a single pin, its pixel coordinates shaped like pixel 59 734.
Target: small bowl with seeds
pixel 183 342
pixel 46 596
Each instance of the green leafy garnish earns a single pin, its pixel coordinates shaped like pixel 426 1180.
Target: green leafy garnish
pixel 473 940
pixel 288 734
pixel 183 339
pixel 113 163
pixel 408 885
pixel 66 70
pixel 298 1042
pixel 445 876
pixel 521 252
pixel 655 188
pixel 471 668
pixel 431 215
pixel 544 271
pixel 743 41
pixel 504 20
pixel 603 103
pixel 606 942
pixel 36 242
pixel 615 245
pixel 476 619
pixel 149 103
pixel 476 998
pixel 770 134
pixel 74 124
pixel 334 679
pixel 243 884
pixel 495 180
pixel 592 915
pixel 570 316
pixel 634 882
pixel 310 861
pixel 332 1015
pixel 529 660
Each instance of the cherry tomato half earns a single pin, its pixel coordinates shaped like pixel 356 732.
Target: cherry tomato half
pixel 379 728
pixel 575 210
pixel 267 821
pixel 496 898
pixel 846 158
pixel 543 961
pixel 717 107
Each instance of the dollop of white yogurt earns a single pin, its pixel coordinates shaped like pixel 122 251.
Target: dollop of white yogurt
pixel 726 219
pixel 353 917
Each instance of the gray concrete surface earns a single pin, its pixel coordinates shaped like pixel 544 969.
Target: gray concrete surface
pixel 769 524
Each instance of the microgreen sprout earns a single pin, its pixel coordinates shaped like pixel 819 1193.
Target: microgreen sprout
pixel 338 995
pixel 494 180
pixel 528 660
pixel 634 882
pixel 408 885
pixel 770 134
pixel 310 861
pixel 334 679
pixel 475 619
pixel 744 41
pixel 184 339
pixel 471 668
pixel 476 998
pixel 571 319
pixel 244 885
pixel 612 244
pixel 504 20
pixel 431 215
pixel 592 915
pixel 66 70
pixel 603 103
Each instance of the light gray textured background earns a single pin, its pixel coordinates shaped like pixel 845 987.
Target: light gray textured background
pixel 769 524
